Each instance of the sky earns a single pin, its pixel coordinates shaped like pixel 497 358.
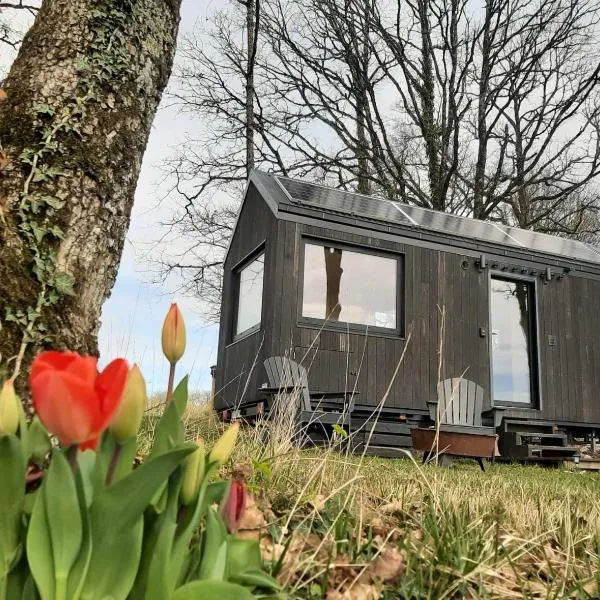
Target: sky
pixel 132 316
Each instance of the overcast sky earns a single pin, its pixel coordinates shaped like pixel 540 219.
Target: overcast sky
pixel 132 316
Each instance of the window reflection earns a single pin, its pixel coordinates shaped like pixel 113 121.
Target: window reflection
pixel 353 287
pixel 512 318
pixel 250 294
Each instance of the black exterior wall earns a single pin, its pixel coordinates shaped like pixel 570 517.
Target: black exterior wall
pixel 439 277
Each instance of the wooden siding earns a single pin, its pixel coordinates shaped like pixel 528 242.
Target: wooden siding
pixel 435 282
pixel 240 363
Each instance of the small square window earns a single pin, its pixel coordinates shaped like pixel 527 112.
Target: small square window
pixel 249 296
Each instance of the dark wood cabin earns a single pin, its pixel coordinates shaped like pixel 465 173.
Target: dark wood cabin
pixel 356 287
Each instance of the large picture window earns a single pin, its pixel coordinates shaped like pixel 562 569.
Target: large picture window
pixel 349 286
pixel 249 296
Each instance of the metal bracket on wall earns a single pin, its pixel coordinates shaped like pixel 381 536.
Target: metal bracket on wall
pixel 481 263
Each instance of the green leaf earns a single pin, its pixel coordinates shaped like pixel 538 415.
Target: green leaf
pixel 159 585
pixel 242 555
pixel 256 578
pixel 186 529
pixel 39 550
pixel 215 492
pixel 180 395
pixel 86 461
pixel 167 434
pixel 114 564
pixel 123 502
pixel 38 441
pixel 117 526
pixel 63 283
pixel 126 459
pixel 212 590
pixel 214 554
pixel 64 517
pixel 12 498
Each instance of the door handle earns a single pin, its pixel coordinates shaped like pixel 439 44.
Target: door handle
pixel 482 332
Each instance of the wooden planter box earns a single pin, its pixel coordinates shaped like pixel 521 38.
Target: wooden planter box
pixel 472 445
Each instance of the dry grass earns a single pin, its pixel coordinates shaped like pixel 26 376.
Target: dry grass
pixel 346 527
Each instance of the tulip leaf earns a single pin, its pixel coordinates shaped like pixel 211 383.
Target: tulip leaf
pixel 114 563
pixel 216 491
pixel 38 441
pixel 87 464
pixel 152 524
pixel 256 578
pixel 218 569
pixel 86 461
pixel 64 517
pixel 116 509
pixel 214 552
pixel 12 499
pixel 180 395
pixel 39 550
pixel 125 459
pixel 168 432
pixel 242 555
pixel 159 584
pixel 186 529
pixel 212 590
pixel 123 503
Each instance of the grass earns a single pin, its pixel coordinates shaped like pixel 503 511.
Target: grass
pixel 345 527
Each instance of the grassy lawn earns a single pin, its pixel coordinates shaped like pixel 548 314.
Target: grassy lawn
pixel 339 526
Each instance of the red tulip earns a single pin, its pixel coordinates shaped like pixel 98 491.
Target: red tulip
pixel 73 400
pixel 232 509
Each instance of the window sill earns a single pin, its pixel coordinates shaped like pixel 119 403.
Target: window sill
pixel 354 330
pixel 243 336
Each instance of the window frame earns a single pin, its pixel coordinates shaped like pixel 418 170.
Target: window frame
pixel 345 326
pixel 236 272
pixel 534 353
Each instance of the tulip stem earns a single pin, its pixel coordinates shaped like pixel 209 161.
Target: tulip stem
pixel 171 381
pixel 71 453
pixel 114 459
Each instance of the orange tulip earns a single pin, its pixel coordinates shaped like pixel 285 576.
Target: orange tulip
pixel 72 399
pixel 173 335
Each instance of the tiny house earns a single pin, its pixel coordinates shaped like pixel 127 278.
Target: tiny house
pixel 388 299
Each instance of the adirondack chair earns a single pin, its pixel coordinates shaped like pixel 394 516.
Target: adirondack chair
pixel 457 415
pixel 289 379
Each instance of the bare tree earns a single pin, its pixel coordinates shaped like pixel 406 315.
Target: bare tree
pixel 486 112
pixel 10 30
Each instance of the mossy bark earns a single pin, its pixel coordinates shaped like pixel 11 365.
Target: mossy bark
pixel 90 72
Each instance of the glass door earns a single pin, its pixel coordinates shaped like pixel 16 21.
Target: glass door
pixel 513 347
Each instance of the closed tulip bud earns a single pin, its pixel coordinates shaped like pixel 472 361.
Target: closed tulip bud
pixel 9 409
pixel 128 418
pixel 193 474
pixel 232 509
pixel 223 447
pixel 173 335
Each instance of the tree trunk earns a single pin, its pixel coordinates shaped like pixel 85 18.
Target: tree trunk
pixel 252 13
pixel 81 98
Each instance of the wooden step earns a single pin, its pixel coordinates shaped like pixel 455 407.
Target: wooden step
pixel 552 451
pixel 541 439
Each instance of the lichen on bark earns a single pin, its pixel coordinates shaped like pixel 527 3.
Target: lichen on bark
pixel 81 97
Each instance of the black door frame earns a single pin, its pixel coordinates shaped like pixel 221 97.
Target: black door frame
pixel 534 335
